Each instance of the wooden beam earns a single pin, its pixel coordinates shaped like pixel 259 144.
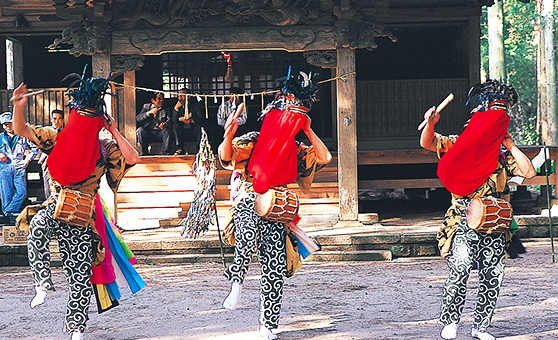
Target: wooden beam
pixel 347 136
pixel 430 14
pixel 396 157
pixel 288 38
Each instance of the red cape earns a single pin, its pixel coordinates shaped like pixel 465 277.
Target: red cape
pixel 274 159
pixel 76 150
pixel 474 156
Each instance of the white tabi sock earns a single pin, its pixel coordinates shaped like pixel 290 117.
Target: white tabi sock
pixel 234 296
pixel 77 335
pixel 449 331
pixel 482 335
pixel 40 297
pixel 267 333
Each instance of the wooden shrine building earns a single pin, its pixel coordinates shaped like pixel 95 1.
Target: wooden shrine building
pixel 382 62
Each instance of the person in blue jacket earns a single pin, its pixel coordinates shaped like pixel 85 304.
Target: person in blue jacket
pixel 13 163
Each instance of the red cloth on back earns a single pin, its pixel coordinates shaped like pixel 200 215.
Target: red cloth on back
pixel 474 156
pixel 274 159
pixel 76 150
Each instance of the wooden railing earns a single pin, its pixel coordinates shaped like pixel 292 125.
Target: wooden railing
pixel 40 106
pixel 371 161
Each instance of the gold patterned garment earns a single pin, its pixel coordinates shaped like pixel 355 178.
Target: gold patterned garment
pixel 495 185
pixel 242 150
pixel 111 163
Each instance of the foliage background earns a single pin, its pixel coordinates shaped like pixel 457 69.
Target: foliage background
pixel 520 59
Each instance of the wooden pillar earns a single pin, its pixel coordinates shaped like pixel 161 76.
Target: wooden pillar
pixel 101 65
pixel 130 107
pixel 334 108
pixel 14 63
pixel 101 68
pixel 347 136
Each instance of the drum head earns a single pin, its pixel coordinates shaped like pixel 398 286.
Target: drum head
pixel 475 213
pixel 264 203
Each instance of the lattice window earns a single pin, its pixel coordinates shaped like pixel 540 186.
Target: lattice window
pixel 253 72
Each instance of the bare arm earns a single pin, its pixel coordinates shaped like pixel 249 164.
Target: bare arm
pixel 231 126
pixel 128 152
pixel 19 104
pixel 323 156
pixel 427 135
pixel 525 167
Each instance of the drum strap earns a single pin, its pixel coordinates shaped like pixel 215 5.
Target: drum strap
pixel 104 152
pixel 462 204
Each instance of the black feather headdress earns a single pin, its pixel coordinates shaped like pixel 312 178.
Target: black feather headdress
pixel 491 90
pixel 90 92
pixel 302 87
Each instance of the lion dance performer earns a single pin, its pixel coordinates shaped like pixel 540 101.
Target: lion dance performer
pixel 92 252
pixel 474 165
pixel 265 159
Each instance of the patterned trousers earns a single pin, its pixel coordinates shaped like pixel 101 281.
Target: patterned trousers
pixel 488 251
pixel 268 237
pixel 76 254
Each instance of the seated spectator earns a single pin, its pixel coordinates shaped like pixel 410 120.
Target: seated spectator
pixel 155 125
pixel 182 121
pixel 57 121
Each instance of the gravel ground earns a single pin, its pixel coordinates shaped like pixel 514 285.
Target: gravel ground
pixel 323 301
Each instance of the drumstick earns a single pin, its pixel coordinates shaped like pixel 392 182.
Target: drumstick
pixel 27 95
pixel 440 107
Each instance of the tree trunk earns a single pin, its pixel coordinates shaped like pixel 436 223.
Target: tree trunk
pixel 496 53
pixel 546 73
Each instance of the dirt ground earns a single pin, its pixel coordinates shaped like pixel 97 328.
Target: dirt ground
pixel 323 301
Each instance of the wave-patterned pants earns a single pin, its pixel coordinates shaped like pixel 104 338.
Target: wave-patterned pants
pixel 268 237
pixel 76 253
pixel 488 251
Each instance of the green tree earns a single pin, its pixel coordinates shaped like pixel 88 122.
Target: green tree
pixel 520 59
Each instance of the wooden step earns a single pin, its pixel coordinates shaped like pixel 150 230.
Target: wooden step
pixel 141 184
pixel 154 199
pixel 159 189
pixel 148 213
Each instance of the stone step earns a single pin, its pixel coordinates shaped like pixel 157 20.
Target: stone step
pixel 319 256
pixel 337 256
pixel 339 241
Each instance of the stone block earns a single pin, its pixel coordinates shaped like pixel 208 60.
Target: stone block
pixel 338 239
pixel 369 218
pixel 374 239
pixel 419 238
pixel 20 260
pixel 523 232
pixel 400 250
pixel 424 250
pixel 368 255
pixel 13 249
pixel 534 220
pixel 341 247
pixel 539 231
